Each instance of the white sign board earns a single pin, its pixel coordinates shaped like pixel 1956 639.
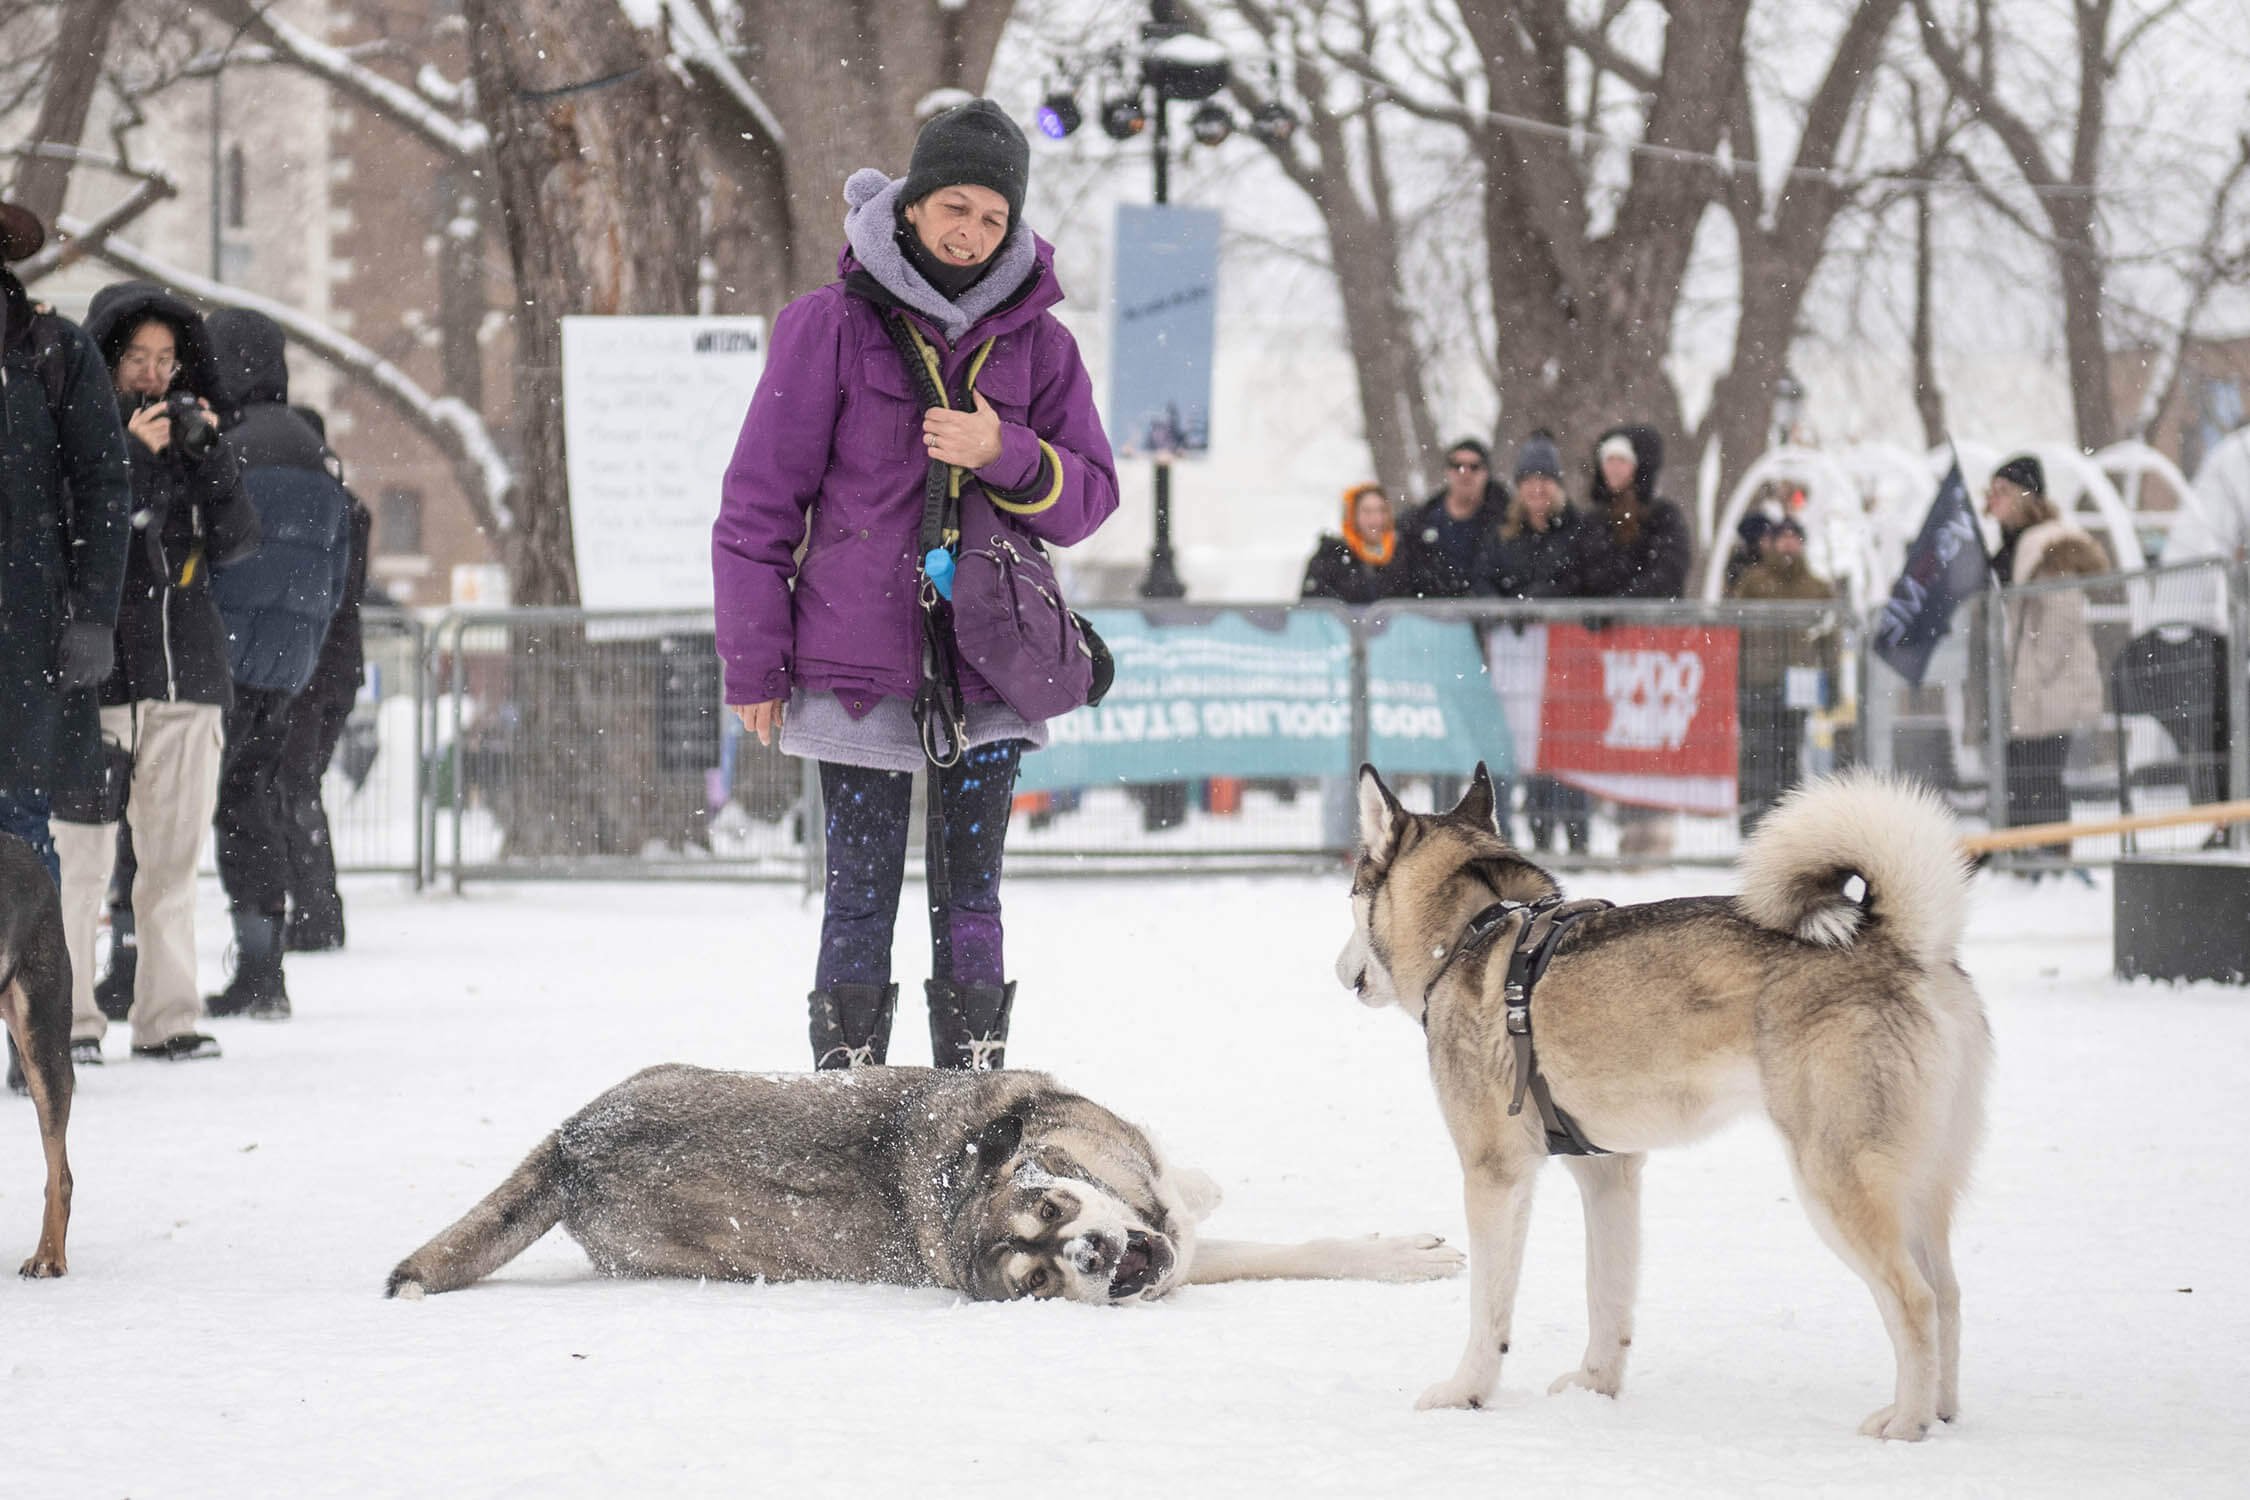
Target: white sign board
pixel 651 410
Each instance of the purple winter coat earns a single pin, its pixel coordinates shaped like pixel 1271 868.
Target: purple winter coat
pixel 834 438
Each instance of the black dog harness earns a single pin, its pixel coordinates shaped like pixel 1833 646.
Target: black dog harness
pixel 1541 928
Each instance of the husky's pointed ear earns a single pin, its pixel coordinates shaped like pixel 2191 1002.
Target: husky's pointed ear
pixel 1478 802
pixel 1379 812
pixel 997 1141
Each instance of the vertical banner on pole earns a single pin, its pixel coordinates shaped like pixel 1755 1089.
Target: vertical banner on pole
pixel 1165 331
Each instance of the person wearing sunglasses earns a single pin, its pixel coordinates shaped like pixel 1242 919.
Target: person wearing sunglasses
pixel 1443 538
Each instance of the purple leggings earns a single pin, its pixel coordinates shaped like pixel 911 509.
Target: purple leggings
pixel 868 814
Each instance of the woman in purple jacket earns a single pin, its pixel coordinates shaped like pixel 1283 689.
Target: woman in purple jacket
pixel 825 648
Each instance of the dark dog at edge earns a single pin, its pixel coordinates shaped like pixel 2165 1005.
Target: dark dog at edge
pixel 35 1003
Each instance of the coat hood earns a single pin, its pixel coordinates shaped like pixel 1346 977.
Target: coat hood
pixel 251 355
pixel 120 308
pixel 1648 459
pixel 871 240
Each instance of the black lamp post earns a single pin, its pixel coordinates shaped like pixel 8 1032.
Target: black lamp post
pixel 1174 63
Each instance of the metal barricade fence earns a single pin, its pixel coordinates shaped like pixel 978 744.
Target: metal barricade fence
pixel 2107 695
pixel 550 743
pixel 561 743
pixel 568 743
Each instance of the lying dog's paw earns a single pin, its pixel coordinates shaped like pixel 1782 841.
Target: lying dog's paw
pixel 1407 1257
pixel 1451 1395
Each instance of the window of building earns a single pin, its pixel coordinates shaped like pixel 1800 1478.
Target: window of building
pixel 398 523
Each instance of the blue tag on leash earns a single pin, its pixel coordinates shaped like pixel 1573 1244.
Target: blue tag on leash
pixel 937 566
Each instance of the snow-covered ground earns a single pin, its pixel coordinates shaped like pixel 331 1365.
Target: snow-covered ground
pixel 222 1331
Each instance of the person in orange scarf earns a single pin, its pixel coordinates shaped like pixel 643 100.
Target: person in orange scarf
pixel 1362 564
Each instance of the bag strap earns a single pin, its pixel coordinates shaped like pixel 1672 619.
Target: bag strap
pixel 940 714
pixel 48 344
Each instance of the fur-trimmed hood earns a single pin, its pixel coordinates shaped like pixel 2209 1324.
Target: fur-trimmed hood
pixel 2056 549
pixel 871 232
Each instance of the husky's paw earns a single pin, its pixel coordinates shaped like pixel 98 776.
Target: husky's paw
pixel 1600 1382
pixel 41 1268
pixel 1454 1393
pixel 1898 1426
pixel 1406 1257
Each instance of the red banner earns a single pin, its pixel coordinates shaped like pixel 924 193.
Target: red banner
pixel 1643 714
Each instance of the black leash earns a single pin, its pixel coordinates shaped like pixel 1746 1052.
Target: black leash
pixel 1537 933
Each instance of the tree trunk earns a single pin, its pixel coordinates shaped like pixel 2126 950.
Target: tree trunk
pixel 2079 265
pixel 81 47
pixel 598 196
pixel 1929 396
pixel 844 79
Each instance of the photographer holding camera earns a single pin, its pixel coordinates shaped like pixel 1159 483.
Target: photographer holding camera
pixel 162 703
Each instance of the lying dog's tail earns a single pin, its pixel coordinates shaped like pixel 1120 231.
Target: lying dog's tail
pixel 496 1231
pixel 1849 854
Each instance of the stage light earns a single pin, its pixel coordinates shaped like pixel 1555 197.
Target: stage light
pixel 1273 124
pixel 1124 117
pixel 1211 124
pixel 1059 115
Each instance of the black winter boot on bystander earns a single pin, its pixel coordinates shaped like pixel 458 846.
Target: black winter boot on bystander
pixel 969 1024
pixel 851 1024
pixel 256 989
pixel 113 993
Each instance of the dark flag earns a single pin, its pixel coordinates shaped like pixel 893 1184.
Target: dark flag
pixel 1945 565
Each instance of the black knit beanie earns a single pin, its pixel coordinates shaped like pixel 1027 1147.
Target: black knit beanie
pixel 2024 472
pixel 973 143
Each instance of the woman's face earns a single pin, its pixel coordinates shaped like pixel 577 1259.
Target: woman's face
pixel 1617 473
pixel 2003 501
pixel 1538 494
pixel 961 225
pixel 1371 515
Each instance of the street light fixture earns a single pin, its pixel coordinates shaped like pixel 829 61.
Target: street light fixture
pixel 1788 406
pixel 1059 114
pixel 1211 124
pixel 1176 62
pixel 1124 116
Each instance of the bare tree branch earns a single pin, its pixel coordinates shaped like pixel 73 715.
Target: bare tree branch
pixel 406 106
pixel 456 430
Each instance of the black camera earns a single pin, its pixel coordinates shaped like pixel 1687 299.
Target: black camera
pixel 192 428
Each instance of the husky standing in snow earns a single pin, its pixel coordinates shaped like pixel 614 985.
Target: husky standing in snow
pixel 1827 994
pixel 998 1185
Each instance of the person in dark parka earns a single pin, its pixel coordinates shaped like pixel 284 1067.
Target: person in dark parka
pixel 1543 551
pixel 65 493
pixel 1362 563
pixel 1441 539
pixel 316 725
pixel 164 700
pixel 278 604
pixel 1643 544
pixel 1642 549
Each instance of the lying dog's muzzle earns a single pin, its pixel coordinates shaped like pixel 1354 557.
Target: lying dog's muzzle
pixel 1146 1262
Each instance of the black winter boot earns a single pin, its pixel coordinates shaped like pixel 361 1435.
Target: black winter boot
pixel 969 1024
pixel 256 989
pixel 851 1024
pixel 113 992
pixel 315 927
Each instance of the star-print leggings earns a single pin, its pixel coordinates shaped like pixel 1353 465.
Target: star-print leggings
pixel 868 816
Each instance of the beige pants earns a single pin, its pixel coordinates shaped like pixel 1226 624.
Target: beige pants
pixel 175 788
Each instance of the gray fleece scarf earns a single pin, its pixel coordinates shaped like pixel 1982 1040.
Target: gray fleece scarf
pixel 870 227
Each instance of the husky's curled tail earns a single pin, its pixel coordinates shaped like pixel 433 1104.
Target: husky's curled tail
pixel 1895 836
pixel 509 1220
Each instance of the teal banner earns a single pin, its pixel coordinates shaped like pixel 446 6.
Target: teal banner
pixel 1268 693
pixel 1431 705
